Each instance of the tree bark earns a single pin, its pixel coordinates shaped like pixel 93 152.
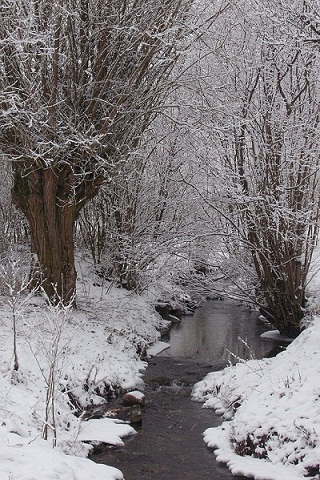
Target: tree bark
pixel 48 198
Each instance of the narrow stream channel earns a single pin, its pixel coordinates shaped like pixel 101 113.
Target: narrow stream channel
pixel 169 445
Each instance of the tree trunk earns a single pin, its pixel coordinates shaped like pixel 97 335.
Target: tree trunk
pixel 44 197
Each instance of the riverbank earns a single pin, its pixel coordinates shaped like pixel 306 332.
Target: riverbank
pixel 271 412
pixel 71 360
pixel 270 408
pixel 68 361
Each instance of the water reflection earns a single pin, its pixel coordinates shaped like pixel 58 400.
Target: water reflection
pixel 169 445
pixel 221 330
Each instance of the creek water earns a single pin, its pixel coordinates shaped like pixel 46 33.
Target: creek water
pixel 168 444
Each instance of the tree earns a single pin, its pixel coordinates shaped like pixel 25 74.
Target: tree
pixel 80 82
pixel 148 212
pixel 132 223
pixel 15 282
pixel 268 139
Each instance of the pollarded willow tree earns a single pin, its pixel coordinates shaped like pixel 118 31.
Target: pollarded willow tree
pixel 268 140
pixel 80 82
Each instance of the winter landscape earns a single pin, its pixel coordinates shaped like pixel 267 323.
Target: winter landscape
pixel 156 155
pixel 270 407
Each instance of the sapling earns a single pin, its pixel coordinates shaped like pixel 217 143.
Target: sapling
pixel 16 281
pixel 51 346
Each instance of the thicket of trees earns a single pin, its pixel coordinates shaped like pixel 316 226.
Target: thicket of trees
pixel 272 151
pixel 165 128
pixel 80 83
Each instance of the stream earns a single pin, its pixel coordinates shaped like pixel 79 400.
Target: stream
pixel 169 444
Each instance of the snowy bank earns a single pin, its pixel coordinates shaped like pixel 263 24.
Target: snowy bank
pixel 22 459
pixel 68 361
pixel 271 409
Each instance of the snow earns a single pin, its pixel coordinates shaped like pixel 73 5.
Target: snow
pixel 105 430
pixel 157 348
pixel 91 351
pixel 271 410
pixel 270 407
pixel 246 466
pixel 276 335
pixel 137 394
pixel 34 460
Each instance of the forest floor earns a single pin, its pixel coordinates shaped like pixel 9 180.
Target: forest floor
pixel 64 354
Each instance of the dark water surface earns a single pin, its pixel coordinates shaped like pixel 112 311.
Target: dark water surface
pixel 219 332
pixel 169 444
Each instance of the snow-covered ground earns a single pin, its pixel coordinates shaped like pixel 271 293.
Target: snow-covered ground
pixel 271 409
pixel 63 353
